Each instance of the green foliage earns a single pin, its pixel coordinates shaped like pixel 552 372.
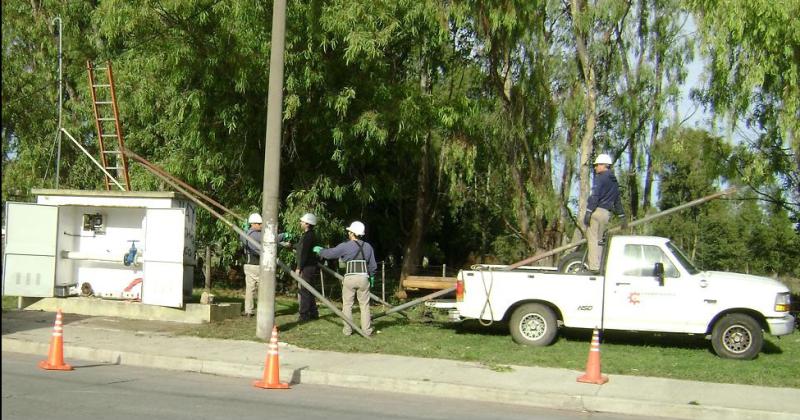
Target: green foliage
pixel 731 235
pixel 450 128
pixel 754 67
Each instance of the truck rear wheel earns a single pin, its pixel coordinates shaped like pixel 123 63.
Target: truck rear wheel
pixel 533 324
pixel 737 336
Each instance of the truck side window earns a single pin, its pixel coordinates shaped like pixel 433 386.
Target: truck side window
pixel 640 259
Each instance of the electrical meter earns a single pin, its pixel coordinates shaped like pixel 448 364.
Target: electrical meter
pixel 94 223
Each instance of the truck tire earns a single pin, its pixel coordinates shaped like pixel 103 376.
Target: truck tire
pixel 572 263
pixel 737 336
pixel 533 324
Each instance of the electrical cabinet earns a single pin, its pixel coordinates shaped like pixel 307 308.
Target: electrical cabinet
pixel 108 244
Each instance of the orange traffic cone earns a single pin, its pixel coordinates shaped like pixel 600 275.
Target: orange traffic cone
pixel 592 375
pixel 272 378
pixel 55 358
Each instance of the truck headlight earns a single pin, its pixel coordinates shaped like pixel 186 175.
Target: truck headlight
pixel 782 302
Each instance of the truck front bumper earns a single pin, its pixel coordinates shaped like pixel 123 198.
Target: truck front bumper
pixel 781 326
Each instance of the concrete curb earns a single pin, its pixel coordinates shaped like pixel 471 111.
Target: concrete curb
pixel 295 375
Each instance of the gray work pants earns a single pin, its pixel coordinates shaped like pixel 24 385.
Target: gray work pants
pixel 356 285
pixel 597 227
pixel 250 286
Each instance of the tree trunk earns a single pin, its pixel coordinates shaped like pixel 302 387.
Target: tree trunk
pixel 654 128
pixel 412 252
pixel 590 108
pixel 567 173
pixel 633 182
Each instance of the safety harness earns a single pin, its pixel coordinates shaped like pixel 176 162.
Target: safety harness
pixel 356 265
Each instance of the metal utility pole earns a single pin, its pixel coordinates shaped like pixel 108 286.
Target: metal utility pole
pixel 265 314
pixel 60 100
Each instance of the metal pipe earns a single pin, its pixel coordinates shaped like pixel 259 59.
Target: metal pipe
pixel 383 280
pixel 643 220
pixel 207 270
pixel 373 296
pixel 181 183
pixel 93 159
pixel 322 282
pixel 60 99
pixel 416 302
pixel 255 243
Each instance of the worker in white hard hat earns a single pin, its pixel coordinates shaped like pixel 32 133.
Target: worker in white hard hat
pixel 307 267
pixel 360 274
pixel 252 256
pixel 604 200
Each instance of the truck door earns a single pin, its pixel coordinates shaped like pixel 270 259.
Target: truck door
pixel 637 300
pixel 29 254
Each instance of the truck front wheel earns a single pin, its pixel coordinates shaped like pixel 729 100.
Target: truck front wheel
pixel 533 324
pixel 737 336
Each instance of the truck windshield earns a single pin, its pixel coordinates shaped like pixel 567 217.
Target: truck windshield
pixel 682 258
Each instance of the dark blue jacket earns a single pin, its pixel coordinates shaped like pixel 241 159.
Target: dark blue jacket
pixel 605 194
pixel 251 253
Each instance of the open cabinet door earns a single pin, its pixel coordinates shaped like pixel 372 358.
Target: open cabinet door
pixel 162 283
pixel 29 254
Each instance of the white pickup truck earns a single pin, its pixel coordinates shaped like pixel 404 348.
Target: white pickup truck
pixel 647 284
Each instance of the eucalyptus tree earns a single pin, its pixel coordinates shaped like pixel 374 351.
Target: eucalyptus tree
pixel 653 48
pixel 692 164
pixel 30 95
pixel 754 76
pixel 513 121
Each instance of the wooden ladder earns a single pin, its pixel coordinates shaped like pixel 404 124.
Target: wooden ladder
pixel 106 112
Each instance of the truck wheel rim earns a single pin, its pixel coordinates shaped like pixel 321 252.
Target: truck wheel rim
pixel 736 339
pixel 575 267
pixel 532 326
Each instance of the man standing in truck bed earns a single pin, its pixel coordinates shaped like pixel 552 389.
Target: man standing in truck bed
pixel 604 200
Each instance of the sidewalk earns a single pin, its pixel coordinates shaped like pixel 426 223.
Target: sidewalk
pixel 155 345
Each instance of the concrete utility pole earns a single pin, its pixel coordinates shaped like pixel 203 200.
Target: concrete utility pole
pixel 60 100
pixel 265 314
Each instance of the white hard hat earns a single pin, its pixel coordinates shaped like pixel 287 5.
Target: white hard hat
pixel 309 218
pixel 604 159
pixel 254 218
pixel 357 228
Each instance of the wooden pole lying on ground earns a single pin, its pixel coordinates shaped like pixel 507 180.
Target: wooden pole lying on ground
pixel 252 241
pixel 415 302
pixel 643 220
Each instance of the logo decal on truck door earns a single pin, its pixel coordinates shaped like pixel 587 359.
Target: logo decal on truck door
pixel 633 298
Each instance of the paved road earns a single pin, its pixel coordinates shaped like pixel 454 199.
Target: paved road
pixel 95 391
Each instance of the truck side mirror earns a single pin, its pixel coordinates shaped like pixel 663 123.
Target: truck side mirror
pixel 658 272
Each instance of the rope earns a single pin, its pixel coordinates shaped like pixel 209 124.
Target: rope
pixel 487 303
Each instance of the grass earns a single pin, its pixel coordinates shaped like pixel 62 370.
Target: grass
pixel 429 334
pixel 9 302
pixel 423 334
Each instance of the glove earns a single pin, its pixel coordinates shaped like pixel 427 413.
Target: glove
pixel 624 221
pixel 245 226
pixel 317 249
pixel 371 281
pixel 587 218
pixel 287 236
